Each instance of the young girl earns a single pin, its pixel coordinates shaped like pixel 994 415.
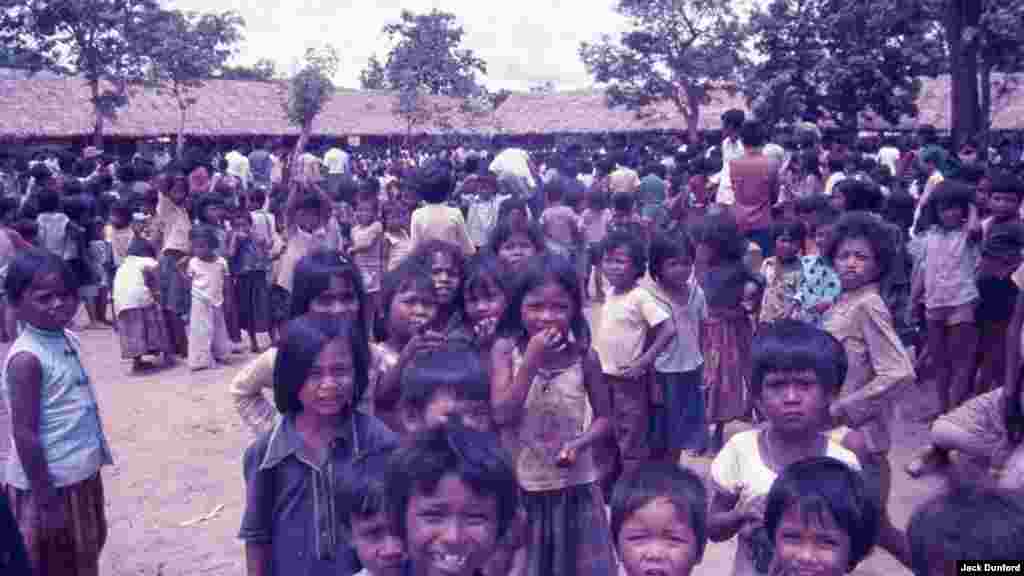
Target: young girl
pixel 861 252
pixel 368 250
pixel 120 233
pixel 139 324
pixel 211 211
pixel 249 256
pixel 513 245
pixel 547 385
pixel 820 519
pixel 320 376
pixel 946 282
pixel 797 287
pixel 171 227
pixel 306 210
pixel 726 332
pixel 53 476
pixel 435 220
pixel 447 270
pixel 397 244
pixel 208 341
pixel 483 211
pixel 486 294
pixel 796 370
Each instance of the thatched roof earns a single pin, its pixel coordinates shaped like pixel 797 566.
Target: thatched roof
pixel 58 108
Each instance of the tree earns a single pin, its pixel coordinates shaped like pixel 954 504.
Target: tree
pixel 98 40
pixel 263 70
pixel 678 51
pixel 426 56
pixel 184 49
pixel 374 76
pixel 545 87
pixel 308 92
pixel 835 59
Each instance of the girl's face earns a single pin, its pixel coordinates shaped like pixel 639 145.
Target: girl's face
pixel 452 531
pixel 856 263
pixel 677 271
pixel 617 265
pixel 786 248
pixel 657 540
pixel 48 303
pixel 547 306
pixel 411 311
pixel 793 402
pixel 516 249
pixel 339 299
pixel 202 249
pixel 365 212
pixel 379 549
pixel 447 277
pixel 951 216
pixel 811 544
pixel 485 302
pixel 178 189
pixel 751 298
pixel 329 388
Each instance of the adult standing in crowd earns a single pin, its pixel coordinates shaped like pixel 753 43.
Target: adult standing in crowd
pixel 732 149
pixel 755 182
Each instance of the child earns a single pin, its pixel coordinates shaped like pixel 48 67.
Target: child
pixel 171 228
pixel 594 222
pixel 632 330
pixel 249 256
pixel 547 387
pixel 140 325
pixel 397 244
pixel 946 282
pixel 796 371
pixel 968 525
pixel 482 216
pixel 81 230
pixel 559 222
pixel 1004 200
pixel 208 341
pixel 486 294
pixel 678 420
pixel 753 296
pixel 435 220
pixel 53 475
pixel 120 232
pixel 444 383
pixel 1001 255
pixel 624 217
pixel 513 245
pixel 368 249
pixel 363 513
pixel 861 252
pixel 320 375
pixel 447 267
pixel 454 497
pixel 659 520
pixel 797 287
pixel 820 519
pixel 306 211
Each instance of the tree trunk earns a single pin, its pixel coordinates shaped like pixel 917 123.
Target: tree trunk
pixel 985 112
pixel 97 130
pixel 964 110
pixel 182 110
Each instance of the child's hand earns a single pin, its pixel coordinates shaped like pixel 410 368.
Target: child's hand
pixel 567 455
pixel 753 516
pixel 485 328
pixel 822 307
pixel 426 342
pixel 543 342
pixel 635 370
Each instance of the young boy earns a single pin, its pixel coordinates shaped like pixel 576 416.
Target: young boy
pixel 630 333
pixel 443 384
pixel 454 496
pixel 659 520
pixel 560 222
pixel 435 220
pixel 363 512
pixel 1004 201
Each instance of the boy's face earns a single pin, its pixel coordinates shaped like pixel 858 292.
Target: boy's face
pixel 751 298
pixel 793 401
pixel 364 213
pixel 810 544
pixel 1004 206
pixel 452 531
pixel 617 266
pixel 329 388
pixel 446 276
pixel 379 549
pixel 516 249
pixel 47 303
pixel 856 263
pixel 657 540
pixel 677 271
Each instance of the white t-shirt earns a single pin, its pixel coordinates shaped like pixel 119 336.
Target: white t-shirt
pixel 625 320
pixel 336 161
pixel 208 279
pixel 740 470
pixel 889 156
pixel 513 161
pixel 130 289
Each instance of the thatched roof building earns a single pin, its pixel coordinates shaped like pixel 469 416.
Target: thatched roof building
pixel 42 109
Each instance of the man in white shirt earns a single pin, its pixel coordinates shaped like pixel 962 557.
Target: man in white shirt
pixel 889 155
pixel 337 161
pixel 732 149
pixel 238 166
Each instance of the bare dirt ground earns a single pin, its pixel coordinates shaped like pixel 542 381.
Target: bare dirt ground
pixel 175 494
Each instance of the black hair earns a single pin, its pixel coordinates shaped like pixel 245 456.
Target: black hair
pixel 28 264
pixel 860 195
pixel 363 488
pixel 597 198
pixel 536 272
pixel 872 229
pixel 1005 183
pixel 659 480
pixel 141 247
pixel 667 245
pixel 733 119
pixel 204 232
pixel 424 254
pixel 476 458
pixel 722 234
pixel 555 189
pixel 47 200
pixel 309 199
pixel 820 486
pixel 633 245
pixel 811 204
pixel 455 368
pixel 899 210
pixel 505 230
pixel 205 202
pixel 484 274
pixel 1004 240
pixel 123 209
pixel 836 163
pixel 409 275
pixel 434 182
pixel 752 134
pixel 302 341
pixel 510 204
pixel 312 277
pixel 968 523
pixel 795 230
pixel 948 193
pixel 791 345
pixel 623 202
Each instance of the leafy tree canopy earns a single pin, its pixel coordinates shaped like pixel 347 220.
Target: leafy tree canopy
pixel 263 70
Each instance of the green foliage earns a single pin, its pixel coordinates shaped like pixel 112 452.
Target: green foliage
pixel 262 71
pixel 426 56
pixel 680 51
pixel 311 88
pixel 186 48
pixel 374 76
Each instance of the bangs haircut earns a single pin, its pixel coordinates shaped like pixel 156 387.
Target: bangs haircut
pixel 668 245
pixel 455 369
pixel 820 486
pixel 28 264
pixel 899 210
pixel 536 272
pixel 872 229
pixel 969 523
pixel 633 245
pixel 410 275
pixel 946 194
pixel 681 487
pixel 791 346
pixel 363 487
pixel 510 204
pixel 476 458
pixel 313 275
pixel 505 230
pixel 722 234
pixel 1006 183
pixel 204 232
pixel 484 276
pixel 424 254
pixel 861 195
pixel 303 340
pixel 795 230
pixel 434 182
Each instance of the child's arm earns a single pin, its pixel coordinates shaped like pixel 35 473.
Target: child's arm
pixel 509 387
pixel 725 519
pixel 974 230
pixel 366 237
pixel 389 388
pixel 600 396
pixel 663 334
pixel 291 206
pixel 247 391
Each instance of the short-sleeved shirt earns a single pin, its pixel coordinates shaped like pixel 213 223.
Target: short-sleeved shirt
pixel 562 219
pixel 623 180
pixel 949 261
pixel 682 354
pixel 130 290
pixel 740 470
pixel 174 223
pixel 625 321
pixel 440 222
pixel 208 279
pixel 290 497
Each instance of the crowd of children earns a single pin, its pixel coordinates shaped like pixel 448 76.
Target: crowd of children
pixel 504 383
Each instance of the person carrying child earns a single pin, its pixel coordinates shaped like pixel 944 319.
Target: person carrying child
pixel 140 326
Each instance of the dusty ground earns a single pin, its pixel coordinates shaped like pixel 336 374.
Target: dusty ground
pixel 175 493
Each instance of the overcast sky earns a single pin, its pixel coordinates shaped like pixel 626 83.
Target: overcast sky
pixel 524 42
